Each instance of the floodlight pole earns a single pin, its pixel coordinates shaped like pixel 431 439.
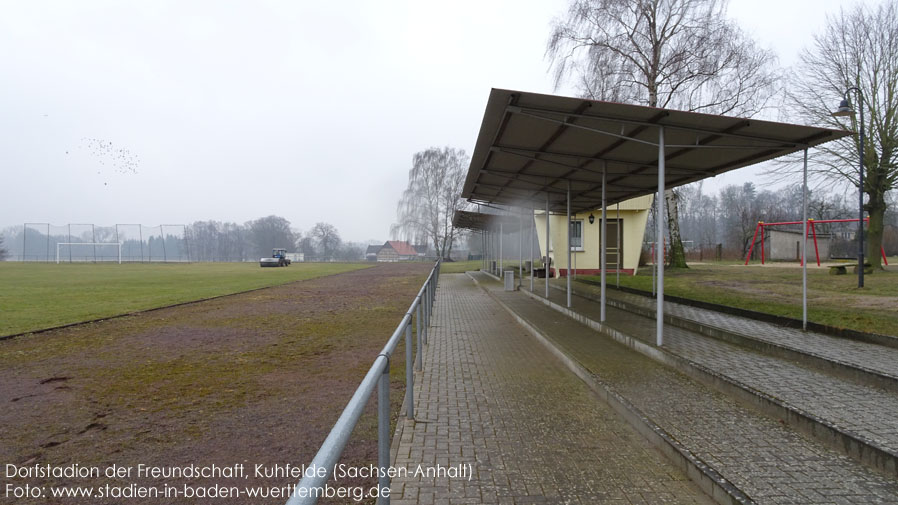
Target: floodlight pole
pixel 845 110
pixel 860 222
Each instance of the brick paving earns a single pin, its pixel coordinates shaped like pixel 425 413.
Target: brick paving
pixel 862 354
pixel 764 458
pixel 493 397
pixel 856 407
pixel 862 409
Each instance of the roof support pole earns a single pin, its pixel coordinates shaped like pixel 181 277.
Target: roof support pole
pixel 532 228
pixel 548 261
pixel 804 245
pixel 659 242
pixel 501 237
pixel 603 258
pixel 654 255
pixel 617 253
pixel 568 244
pixel 520 246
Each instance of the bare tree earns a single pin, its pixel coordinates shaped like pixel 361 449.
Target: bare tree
pixel 682 54
pixel 3 252
pixel 270 232
pixel 858 48
pixel 433 195
pixel 327 237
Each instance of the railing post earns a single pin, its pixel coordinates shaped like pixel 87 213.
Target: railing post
pixel 409 373
pixel 426 309
pixel 419 356
pixel 383 434
pixel 419 323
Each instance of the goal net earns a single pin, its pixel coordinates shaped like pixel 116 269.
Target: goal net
pixel 102 251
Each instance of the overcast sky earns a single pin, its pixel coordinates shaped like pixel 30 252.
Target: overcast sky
pixel 171 112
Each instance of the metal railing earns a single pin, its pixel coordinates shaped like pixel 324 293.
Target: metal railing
pixel 322 465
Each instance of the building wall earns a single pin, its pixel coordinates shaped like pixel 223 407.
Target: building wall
pixel 387 254
pixel 634 215
pixel 784 244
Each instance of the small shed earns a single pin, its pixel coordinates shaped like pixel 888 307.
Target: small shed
pixel 785 244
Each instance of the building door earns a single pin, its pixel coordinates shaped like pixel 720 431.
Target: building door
pixel 614 255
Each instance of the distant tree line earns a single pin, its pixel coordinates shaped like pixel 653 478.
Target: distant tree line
pixel 730 216
pixel 224 241
pixel 200 241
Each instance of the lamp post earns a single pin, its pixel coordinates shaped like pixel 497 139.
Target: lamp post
pixel 846 110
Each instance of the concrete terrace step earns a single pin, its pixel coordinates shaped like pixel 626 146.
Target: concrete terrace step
pixel 851 358
pixel 849 415
pixel 762 457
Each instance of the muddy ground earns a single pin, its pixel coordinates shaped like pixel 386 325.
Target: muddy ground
pixel 257 378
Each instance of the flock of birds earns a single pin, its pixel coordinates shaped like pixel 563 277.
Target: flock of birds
pixel 119 160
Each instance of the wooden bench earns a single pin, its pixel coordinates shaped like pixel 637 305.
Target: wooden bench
pixel 838 270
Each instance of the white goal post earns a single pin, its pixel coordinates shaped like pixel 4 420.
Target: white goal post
pixel 119 244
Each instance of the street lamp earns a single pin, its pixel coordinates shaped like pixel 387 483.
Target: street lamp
pixel 592 219
pixel 846 110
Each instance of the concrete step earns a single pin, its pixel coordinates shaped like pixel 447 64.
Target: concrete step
pixel 870 362
pixel 849 415
pixel 764 459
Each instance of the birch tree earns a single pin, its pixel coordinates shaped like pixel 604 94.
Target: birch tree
pixel 682 54
pixel 433 195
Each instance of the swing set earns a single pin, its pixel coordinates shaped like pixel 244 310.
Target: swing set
pixel 809 227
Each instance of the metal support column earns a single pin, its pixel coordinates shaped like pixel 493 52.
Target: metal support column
pixel 501 252
pixel 520 246
pixel 569 244
pixel 603 262
pixel 804 244
pixel 659 242
pixel 547 245
pixel 620 248
pixel 532 228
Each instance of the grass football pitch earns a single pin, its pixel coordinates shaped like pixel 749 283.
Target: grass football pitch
pixel 34 296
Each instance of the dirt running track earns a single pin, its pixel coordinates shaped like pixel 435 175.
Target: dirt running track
pixel 257 378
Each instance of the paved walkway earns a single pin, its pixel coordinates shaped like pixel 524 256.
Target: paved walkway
pixel 491 396
pixel 865 410
pixel 764 458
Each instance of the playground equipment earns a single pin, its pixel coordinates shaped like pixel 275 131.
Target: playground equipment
pixel 809 226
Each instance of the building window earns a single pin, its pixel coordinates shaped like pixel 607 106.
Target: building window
pixel 577 235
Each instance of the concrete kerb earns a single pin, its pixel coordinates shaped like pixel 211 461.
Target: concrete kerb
pixel 854 446
pixel 843 369
pixel 706 477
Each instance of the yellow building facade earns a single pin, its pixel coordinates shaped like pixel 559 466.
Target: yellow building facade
pixel 625 237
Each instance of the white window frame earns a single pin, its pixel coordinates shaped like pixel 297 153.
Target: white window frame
pixel 575 248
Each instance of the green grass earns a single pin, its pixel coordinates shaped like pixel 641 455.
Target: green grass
pixel 34 296
pixel 833 300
